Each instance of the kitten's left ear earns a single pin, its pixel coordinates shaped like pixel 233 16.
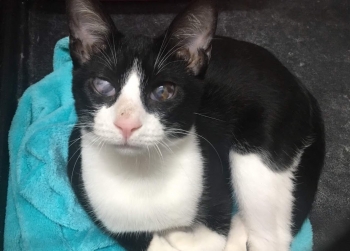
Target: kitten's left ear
pixel 89 27
pixel 191 33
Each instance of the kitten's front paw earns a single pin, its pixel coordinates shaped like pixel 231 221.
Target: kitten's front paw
pixel 184 241
pixel 199 239
pixel 237 240
pixel 158 243
pixel 236 247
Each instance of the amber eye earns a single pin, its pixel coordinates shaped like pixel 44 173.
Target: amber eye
pixel 103 87
pixel 163 92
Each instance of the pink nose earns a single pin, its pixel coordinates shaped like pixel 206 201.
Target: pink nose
pixel 127 125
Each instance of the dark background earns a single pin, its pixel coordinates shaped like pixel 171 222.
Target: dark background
pixel 312 38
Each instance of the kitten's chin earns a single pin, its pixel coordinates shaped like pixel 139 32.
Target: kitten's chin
pixel 129 150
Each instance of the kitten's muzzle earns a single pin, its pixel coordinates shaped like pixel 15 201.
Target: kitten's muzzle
pixel 127 125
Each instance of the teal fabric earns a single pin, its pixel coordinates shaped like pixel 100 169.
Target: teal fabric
pixel 42 212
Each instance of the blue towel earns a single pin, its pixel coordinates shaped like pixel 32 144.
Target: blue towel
pixel 42 212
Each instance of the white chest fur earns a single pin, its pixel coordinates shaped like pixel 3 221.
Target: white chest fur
pixel 148 193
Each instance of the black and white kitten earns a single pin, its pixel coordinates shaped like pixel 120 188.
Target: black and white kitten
pixel 171 128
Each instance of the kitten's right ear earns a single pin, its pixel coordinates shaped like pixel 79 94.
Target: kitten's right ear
pixel 191 34
pixel 89 27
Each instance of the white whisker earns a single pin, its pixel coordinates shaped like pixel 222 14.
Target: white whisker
pixel 205 116
pixel 163 67
pixel 161 50
pixel 170 53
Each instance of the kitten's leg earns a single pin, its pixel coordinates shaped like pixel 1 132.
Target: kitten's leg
pixel 143 242
pixel 237 239
pixel 159 243
pixel 265 202
pixel 200 238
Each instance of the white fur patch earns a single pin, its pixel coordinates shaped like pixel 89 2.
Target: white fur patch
pixel 158 243
pixel 200 238
pixel 238 237
pixel 144 192
pixel 265 201
pixel 148 185
pixel 129 102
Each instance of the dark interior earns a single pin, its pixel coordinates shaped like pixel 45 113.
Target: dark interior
pixel 310 37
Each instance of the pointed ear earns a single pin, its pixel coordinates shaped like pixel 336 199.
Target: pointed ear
pixel 89 28
pixel 191 33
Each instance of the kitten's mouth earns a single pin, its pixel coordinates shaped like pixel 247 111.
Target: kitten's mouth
pixel 128 147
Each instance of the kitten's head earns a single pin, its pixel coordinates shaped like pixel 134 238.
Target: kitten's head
pixel 135 92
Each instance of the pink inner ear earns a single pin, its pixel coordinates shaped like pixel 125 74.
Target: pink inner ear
pixel 89 35
pixel 192 32
pixel 89 25
pixel 202 41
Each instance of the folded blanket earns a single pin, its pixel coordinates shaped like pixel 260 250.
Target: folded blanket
pixel 42 212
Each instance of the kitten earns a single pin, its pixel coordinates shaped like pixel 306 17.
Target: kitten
pixel 171 129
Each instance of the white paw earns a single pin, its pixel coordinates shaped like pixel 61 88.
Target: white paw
pixel 235 247
pixel 158 243
pixel 199 239
pixel 181 240
pixel 237 239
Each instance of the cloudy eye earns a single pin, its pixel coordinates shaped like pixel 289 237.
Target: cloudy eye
pixel 103 87
pixel 163 92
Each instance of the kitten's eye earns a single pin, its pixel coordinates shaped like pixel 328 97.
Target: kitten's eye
pixel 103 87
pixel 163 92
